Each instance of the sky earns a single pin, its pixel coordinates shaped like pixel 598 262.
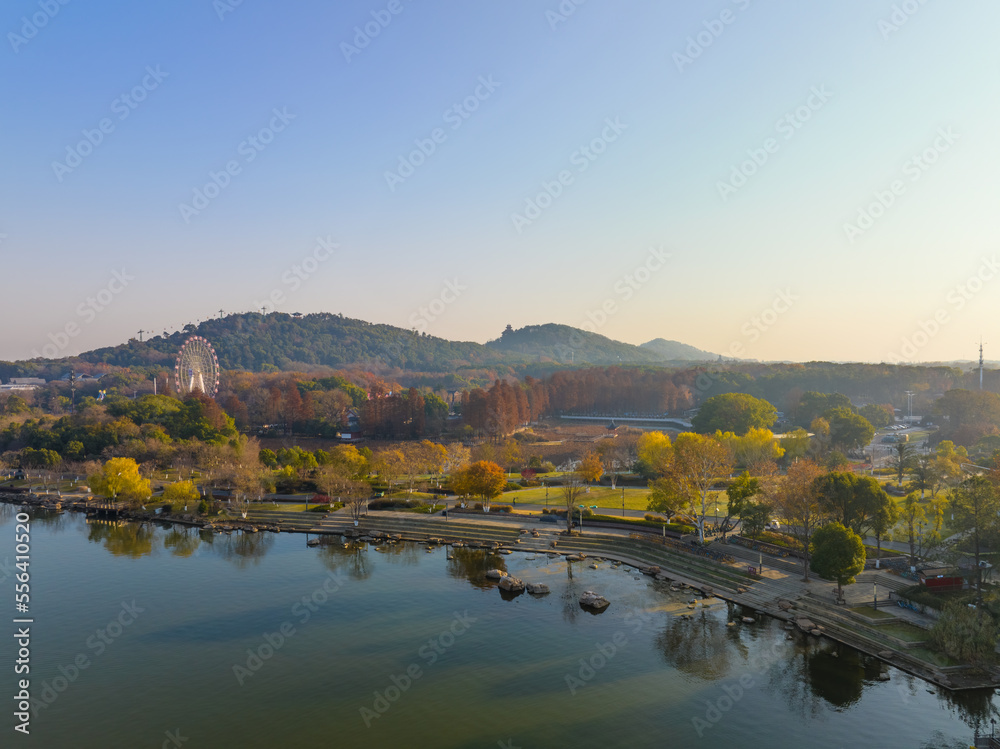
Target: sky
pixel 769 180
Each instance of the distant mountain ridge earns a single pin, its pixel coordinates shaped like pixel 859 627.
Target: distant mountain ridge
pixel 676 351
pixel 255 342
pixel 563 344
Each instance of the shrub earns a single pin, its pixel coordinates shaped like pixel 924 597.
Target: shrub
pixel 967 635
pixel 388 504
pixel 493 508
pixel 203 507
pixel 779 539
pixel 512 486
pixel 320 499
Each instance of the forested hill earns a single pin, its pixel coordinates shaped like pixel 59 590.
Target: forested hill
pixel 256 342
pixel 563 344
pixel 675 351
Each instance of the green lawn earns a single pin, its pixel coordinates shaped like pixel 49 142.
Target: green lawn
pixel 636 498
pixel 869 613
pixel 932 656
pixel 905 631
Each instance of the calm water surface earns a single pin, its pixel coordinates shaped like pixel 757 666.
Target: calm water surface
pixel 259 641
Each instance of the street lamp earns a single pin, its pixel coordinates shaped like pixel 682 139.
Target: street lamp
pixel 623 501
pixel 581 519
pixel 875 595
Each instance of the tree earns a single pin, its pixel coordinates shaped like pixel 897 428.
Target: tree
pixel 976 504
pixel 591 469
pixel 968 414
pixel 458 456
pixel 572 491
pixel 797 502
pixel 968 635
pixel 813 404
pixel 348 461
pixel 698 463
pixel 838 554
pixel 740 494
pixel 181 491
pixel 613 458
pixel 819 444
pixel 884 519
pixel 388 464
pixel 925 474
pixel 757 451
pixel 912 513
pixel 665 498
pixel 512 457
pixel 250 482
pixel 119 480
pixel 734 412
pixel 655 453
pixel 878 415
pixel 754 517
pixel 852 500
pixel 355 495
pixel 901 460
pixel 795 444
pixel 848 429
pixel 486 480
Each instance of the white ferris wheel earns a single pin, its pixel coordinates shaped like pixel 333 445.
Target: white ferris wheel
pixel 197 368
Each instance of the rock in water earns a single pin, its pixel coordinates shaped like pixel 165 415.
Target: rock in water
pixel 511 584
pixel 591 600
pixel 539 589
pixel 495 574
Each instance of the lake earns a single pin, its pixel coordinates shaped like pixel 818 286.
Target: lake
pixel 157 637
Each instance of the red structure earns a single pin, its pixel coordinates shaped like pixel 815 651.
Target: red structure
pixel 941 580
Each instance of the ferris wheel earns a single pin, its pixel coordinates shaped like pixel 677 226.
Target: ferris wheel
pixel 197 368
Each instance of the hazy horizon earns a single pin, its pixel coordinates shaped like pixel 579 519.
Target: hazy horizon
pixel 814 182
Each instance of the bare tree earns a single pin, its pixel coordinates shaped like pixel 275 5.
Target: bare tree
pixel 355 495
pixel 572 489
pixel 797 501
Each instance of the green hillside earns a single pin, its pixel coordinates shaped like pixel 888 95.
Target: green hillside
pixel 255 342
pixel 675 351
pixel 567 345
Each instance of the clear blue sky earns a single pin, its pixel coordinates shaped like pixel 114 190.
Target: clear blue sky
pixel 695 89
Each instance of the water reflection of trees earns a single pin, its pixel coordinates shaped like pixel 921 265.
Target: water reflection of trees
pixel 472 564
pixel 53 520
pixel 182 542
pixel 243 549
pixel 832 674
pixel 974 707
pixel 407 554
pixel 132 540
pixel 702 646
pixel 7 513
pixel 353 559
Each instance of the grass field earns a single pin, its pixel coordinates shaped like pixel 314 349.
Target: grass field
pixel 604 497
pixel 905 631
pixel 869 613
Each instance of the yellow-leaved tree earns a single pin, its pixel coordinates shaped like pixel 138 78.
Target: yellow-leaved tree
pixel 119 480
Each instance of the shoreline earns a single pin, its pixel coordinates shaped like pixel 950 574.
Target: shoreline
pixel 811 615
